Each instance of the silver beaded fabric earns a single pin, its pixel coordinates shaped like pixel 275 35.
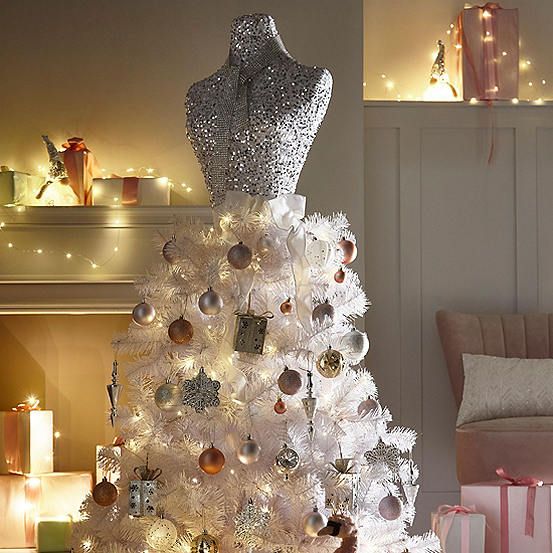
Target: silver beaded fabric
pixel 253 122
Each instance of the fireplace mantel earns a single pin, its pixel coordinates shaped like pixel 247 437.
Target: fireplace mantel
pixel 62 259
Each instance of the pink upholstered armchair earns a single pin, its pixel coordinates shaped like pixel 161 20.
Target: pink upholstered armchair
pixel 524 445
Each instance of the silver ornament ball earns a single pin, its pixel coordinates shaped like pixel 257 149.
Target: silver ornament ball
pixel 355 345
pixel 249 451
pixel 210 302
pixel 313 522
pixel 265 244
pixel 168 397
pixel 322 312
pixel 390 507
pixel 239 256
pixel 143 314
pixel 170 251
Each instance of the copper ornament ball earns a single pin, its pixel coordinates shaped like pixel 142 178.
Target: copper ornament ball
pixel 340 276
pixel 279 406
pixel 286 307
pixel 289 381
pixel 330 363
pixel 389 507
pixel 349 251
pixel 212 460
pixel 104 493
pixel 181 331
pixel 239 256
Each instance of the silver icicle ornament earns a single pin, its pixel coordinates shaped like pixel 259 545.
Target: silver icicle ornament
pixel 310 405
pixel 114 391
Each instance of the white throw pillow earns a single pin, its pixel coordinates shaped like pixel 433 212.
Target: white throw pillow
pixel 499 387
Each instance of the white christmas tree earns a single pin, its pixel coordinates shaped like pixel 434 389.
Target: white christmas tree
pixel 247 389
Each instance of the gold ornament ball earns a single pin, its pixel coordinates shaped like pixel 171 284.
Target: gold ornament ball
pixel 162 534
pixel 286 307
pixel 239 256
pixel 210 302
pixel 289 381
pixel 105 493
pixel 143 314
pixel 340 276
pixel 168 396
pixel 181 331
pixel 204 543
pixel 330 363
pixel 212 460
pixel 349 251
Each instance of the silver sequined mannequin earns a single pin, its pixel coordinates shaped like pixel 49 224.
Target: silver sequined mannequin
pixel 252 123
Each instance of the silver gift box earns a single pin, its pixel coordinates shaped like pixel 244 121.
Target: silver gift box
pixel 142 497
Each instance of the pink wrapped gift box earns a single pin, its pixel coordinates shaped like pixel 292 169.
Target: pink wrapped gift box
pixel 487 500
pixel 490 52
pixel 460 529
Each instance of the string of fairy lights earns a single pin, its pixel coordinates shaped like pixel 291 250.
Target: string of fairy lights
pixel 534 83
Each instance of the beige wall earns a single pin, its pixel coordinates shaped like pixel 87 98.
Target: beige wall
pixel 116 73
pixel 400 36
pixel 65 361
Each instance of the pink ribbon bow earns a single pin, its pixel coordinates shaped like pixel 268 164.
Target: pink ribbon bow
pixel 444 519
pixel 531 483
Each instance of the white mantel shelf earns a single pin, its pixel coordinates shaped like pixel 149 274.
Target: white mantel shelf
pixel 32 283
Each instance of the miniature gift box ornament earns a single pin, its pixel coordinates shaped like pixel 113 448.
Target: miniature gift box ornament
pixel 143 491
pixel 342 486
pixel 250 331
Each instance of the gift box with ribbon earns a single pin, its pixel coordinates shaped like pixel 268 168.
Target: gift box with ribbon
pixel 518 513
pixel 53 535
pixel 460 529
pixel 131 191
pixel 108 461
pixel 143 491
pixel 18 508
pixel 26 441
pixel 17 188
pixel 489 40
pixel 81 167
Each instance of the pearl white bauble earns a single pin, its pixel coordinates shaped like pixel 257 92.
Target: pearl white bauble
pixel 389 507
pixel 210 302
pixel 318 253
pixel 168 397
pixel 249 451
pixel 143 314
pixel 313 522
pixel 355 345
pixel 162 534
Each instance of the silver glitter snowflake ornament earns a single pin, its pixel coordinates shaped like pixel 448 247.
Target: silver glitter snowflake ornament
pixel 386 455
pixel 248 524
pixel 201 392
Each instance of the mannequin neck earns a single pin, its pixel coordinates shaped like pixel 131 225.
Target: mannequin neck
pixel 249 33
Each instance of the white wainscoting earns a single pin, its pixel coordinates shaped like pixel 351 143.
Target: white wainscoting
pixel 446 229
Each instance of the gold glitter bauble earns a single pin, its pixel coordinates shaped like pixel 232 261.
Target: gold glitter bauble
pixel 181 331
pixel 162 534
pixel 330 363
pixel 105 493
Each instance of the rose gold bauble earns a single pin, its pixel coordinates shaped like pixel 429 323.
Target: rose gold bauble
pixel 212 460
pixel 279 407
pixel 289 381
pixel 340 276
pixel 389 507
pixel 322 312
pixel 104 493
pixel 181 331
pixel 349 251
pixel 365 407
pixel 286 307
pixel 239 256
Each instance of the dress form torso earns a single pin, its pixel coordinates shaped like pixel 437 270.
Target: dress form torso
pixel 285 103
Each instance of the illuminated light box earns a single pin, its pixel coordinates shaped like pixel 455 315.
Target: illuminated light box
pixel 26 442
pixel 131 191
pixel 18 513
pixel 61 493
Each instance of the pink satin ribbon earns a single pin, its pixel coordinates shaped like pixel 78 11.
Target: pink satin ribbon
pixel 446 515
pixel 81 167
pixel 531 483
pixel 130 191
